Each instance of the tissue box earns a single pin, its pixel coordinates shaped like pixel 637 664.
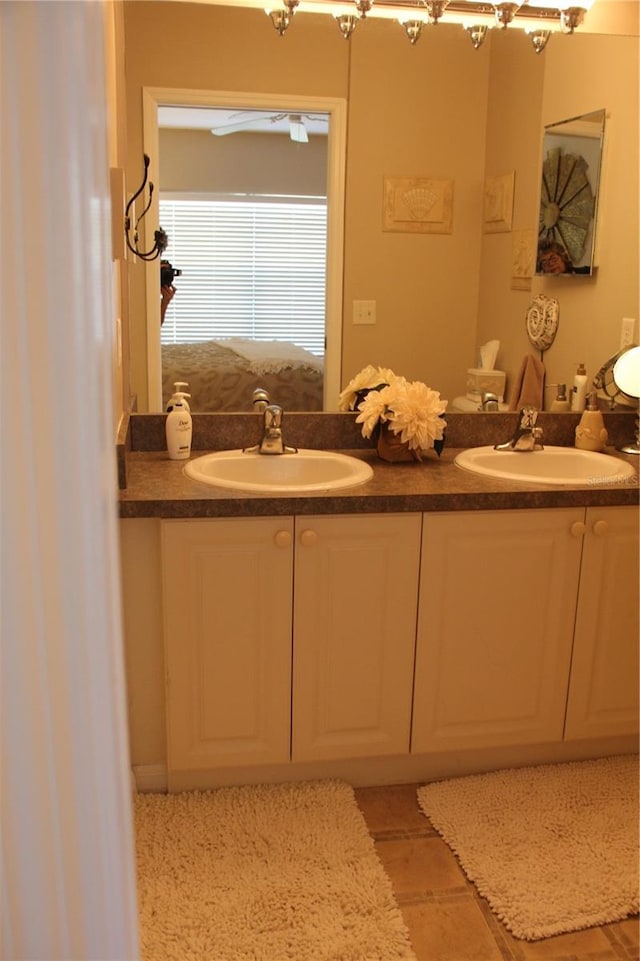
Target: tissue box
pixel 481 381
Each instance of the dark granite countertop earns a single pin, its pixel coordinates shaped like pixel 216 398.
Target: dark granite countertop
pixel 158 487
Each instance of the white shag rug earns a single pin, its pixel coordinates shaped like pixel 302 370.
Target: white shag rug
pixel 552 848
pixel 267 873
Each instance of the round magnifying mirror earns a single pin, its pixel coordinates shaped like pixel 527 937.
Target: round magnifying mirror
pixel 626 372
pixel 626 375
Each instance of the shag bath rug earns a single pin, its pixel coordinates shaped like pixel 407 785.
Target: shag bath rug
pixel 552 848
pixel 266 873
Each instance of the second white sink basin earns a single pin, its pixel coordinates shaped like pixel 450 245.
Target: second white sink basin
pixel 565 466
pixel 306 471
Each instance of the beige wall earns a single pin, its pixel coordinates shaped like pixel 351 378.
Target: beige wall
pixel 194 160
pixel 421 111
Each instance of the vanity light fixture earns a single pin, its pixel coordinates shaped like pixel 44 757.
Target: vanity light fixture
pixel 477 32
pixel 280 20
pixel 160 239
pixel 538 18
pixel 572 14
pixel 572 17
pixel 413 29
pixel 505 13
pixel 347 23
pixel 435 9
pixel 539 39
pixel 363 7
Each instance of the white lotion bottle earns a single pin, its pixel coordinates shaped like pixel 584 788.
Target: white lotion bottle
pixel 178 430
pixel 579 392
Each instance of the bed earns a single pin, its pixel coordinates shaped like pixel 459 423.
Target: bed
pixel 222 374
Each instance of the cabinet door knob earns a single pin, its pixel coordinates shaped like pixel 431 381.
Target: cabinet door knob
pixel 283 539
pixel 308 538
pixel 578 528
pixel 600 528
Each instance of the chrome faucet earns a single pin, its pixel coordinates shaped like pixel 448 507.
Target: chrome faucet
pixel 527 436
pixel 272 441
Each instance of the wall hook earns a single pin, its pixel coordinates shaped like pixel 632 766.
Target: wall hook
pixel 159 237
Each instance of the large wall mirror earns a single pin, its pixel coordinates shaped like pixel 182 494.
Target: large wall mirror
pixel 251 195
pixel 438 109
pixel 571 161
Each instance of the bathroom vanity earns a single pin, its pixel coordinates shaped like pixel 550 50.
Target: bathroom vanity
pixel 425 623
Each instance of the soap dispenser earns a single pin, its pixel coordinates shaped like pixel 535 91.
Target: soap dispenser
pixel 178 430
pixel 178 392
pixel 561 401
pixel 591 434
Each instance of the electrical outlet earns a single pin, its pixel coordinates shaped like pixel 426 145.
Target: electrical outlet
pixel 364 311
pixel 627 332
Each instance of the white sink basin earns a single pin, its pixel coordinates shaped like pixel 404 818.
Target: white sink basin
pixel 306 471
pixel 553 465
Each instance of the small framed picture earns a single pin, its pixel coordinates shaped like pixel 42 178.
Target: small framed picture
pixel 523 258
pixel 498 203
pixel 418 205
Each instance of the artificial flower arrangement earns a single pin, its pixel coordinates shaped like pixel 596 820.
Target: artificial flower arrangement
pixel 391 405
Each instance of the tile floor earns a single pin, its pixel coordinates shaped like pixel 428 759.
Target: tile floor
pixel 447 919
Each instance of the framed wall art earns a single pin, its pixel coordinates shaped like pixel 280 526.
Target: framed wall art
pixel 418 205
pixel 497 211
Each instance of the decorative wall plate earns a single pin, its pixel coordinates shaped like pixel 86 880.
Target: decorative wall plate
pixel 542 321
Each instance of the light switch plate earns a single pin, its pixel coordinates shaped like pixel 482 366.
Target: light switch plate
pixel 627 331
pixel 364 311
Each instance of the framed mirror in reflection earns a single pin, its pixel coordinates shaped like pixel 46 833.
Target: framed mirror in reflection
pixel 571 162
pixel 251 192
pixel 246 214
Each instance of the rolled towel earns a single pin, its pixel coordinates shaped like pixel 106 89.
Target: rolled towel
pixel 528 388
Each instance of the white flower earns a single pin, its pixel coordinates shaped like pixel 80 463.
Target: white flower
pixel 412 410
pixel 368 378
pixel 415 416
pixel 373 409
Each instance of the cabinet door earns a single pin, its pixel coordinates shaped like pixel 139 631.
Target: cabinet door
pixel 603 694
pixel 227 623
pixel 356 582
pixel 495 627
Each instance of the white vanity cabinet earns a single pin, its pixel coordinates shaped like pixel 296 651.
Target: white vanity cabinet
pixel 226 587
pixel 501 656
pixel 355 609
pixel 288 640
pixel 603 690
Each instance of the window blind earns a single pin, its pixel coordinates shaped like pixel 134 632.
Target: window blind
pixel 250 268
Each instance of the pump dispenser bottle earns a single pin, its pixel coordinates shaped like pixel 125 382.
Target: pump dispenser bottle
pixel 561 401
pixel 579 392
pixel 178 430
pixel 591 434
pixel 178 392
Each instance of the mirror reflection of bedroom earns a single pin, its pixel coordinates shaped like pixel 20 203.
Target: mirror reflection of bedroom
pixel 243 199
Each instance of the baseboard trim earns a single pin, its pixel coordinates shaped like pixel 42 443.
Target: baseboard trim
pixel 150 778
pixel 399 769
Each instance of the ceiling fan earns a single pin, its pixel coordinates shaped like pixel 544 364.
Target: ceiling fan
pixel 276 123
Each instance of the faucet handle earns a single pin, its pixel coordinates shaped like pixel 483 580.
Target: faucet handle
pixel 260 399
pixel 527 418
